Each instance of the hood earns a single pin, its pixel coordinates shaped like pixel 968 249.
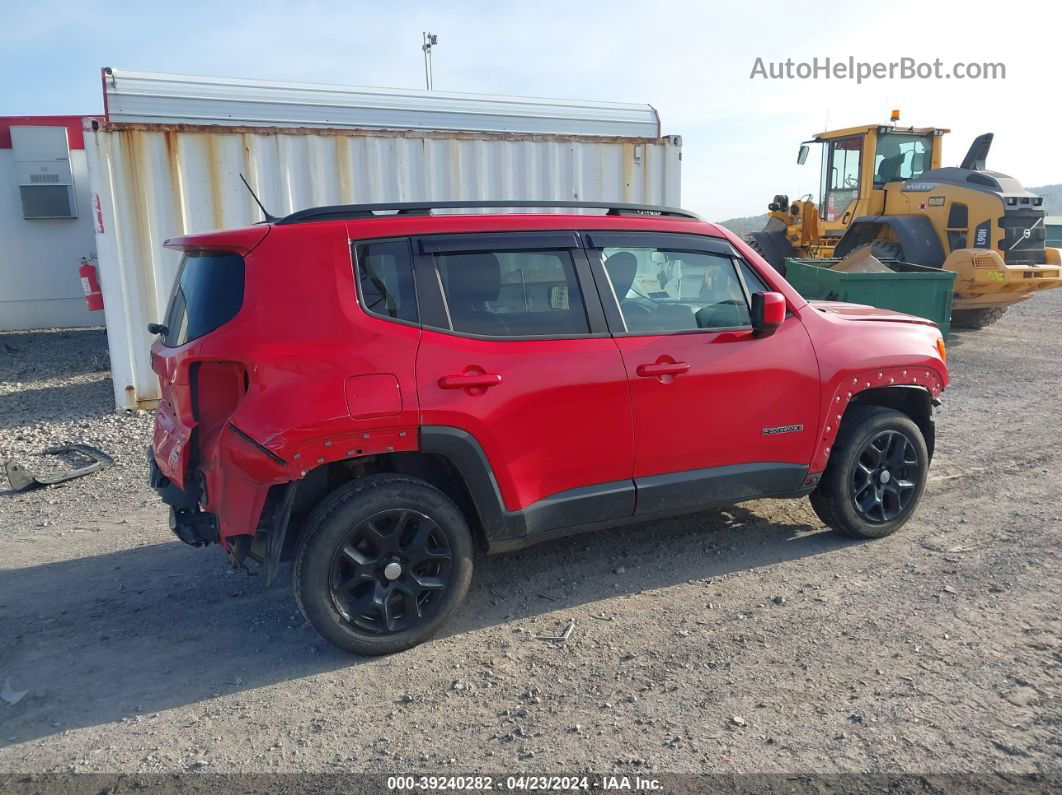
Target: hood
pixel 864 312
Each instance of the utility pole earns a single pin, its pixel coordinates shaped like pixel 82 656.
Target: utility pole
pixel 430 40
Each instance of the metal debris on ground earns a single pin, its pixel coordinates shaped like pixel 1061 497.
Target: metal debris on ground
pixel 561 637
pixel 21 479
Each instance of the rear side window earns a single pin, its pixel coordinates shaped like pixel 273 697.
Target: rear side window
pixel 513 293
pixel 385 279
pixel 207 294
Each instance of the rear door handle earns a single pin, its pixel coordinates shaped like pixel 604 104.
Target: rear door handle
pixel 469 381
pixel 662 368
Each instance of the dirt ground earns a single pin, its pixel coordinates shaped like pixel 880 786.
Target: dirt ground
pixel 740 640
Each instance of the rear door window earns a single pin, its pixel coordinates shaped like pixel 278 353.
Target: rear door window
pixel 207 294
pixel 532 293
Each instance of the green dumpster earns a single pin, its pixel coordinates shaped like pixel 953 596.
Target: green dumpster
pixel 914 289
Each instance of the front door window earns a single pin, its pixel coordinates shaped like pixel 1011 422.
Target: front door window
pixel 661 290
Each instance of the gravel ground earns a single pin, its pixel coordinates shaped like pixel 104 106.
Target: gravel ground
pixel 739 640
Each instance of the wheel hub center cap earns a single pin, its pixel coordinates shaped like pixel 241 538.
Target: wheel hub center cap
pixel 885 476
pixel 392 570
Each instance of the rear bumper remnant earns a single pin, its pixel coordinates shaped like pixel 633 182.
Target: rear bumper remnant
pixel 191 525
pixel 21 479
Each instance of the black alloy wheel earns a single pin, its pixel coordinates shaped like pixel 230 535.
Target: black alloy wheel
pixel 876 473
pixel 885 476
pixel 382 564
pixel 391 571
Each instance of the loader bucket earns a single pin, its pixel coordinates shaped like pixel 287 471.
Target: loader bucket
pixel 983 280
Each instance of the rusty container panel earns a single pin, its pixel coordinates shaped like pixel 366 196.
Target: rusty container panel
pixel 152 182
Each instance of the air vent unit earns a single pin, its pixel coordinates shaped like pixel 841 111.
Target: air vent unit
pixel 42 164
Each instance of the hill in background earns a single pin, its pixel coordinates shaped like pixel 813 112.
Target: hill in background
pixel 741 226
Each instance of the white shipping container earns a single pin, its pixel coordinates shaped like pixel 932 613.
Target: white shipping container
pixel 159 98
pixel 156 181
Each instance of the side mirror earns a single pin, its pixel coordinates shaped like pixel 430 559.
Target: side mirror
pixel 768 313
pixel 802 155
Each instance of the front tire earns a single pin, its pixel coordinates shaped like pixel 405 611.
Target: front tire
pixel 383 564
pixel 876 474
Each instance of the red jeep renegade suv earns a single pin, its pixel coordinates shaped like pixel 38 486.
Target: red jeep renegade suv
pixel 375 391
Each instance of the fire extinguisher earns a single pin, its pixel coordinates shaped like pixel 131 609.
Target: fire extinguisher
pixel 90 283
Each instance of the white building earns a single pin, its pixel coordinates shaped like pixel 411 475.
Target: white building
pixel 46 224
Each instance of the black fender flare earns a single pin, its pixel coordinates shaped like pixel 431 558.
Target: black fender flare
pixel 915 234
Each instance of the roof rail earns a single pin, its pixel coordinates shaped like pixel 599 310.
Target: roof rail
pixel 348 212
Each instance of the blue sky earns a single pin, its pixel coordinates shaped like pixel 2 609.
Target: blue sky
pixel 691 60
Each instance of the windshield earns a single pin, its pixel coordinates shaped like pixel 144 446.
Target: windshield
pixel 208 293
pixel 901 156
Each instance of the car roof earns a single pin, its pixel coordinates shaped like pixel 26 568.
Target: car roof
pixel 402 226
pixel 365 222
pixel 377 227
pixel 348 212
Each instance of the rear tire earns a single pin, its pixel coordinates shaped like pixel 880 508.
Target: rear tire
pixel 876 474
pixel 976 318
pixel 383 564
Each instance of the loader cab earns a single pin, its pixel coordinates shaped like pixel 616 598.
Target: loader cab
pixel 859 162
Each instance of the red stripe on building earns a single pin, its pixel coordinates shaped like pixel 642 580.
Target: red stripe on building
pixel 74 132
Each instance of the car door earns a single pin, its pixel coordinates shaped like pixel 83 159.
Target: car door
pixel 719 413
pixel 516 359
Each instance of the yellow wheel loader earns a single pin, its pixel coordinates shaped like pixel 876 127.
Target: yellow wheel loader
pixel 882 187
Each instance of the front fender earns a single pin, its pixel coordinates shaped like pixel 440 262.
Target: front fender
pixel 849 390
pixel 856 356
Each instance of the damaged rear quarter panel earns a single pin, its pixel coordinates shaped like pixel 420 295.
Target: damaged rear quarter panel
pixel 304 339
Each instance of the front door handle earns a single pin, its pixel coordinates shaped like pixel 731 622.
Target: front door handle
pixel 662 368
pixel 469 381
